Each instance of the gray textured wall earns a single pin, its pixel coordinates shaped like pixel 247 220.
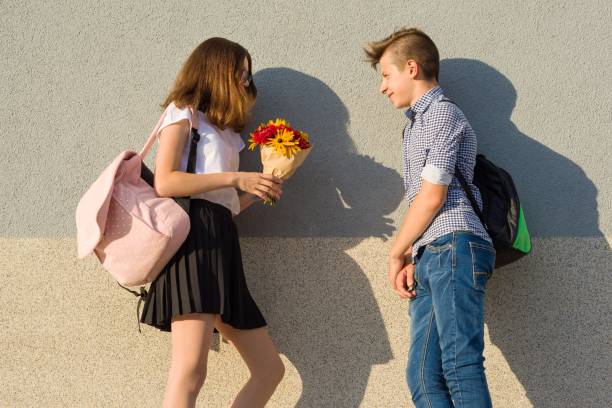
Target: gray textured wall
pixel 83 81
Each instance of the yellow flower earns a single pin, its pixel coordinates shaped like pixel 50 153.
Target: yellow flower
pixel 283 143
pixel 279 122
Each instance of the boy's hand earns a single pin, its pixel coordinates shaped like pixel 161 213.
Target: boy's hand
pixel 395 266
pixel 397 275
pixel 408 282
pixel 404 282
pixel 401 277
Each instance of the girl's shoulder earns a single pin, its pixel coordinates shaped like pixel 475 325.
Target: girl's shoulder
pixel 175 114
pixel 205 127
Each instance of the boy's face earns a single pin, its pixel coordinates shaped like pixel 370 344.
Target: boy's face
pixel 397 84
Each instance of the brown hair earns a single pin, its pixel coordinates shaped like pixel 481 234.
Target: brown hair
pixel 407 44
pixel 210 81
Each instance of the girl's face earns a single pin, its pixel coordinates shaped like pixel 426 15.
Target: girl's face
pixel 245 75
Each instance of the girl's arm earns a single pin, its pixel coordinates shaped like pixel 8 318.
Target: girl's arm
pixel 170 182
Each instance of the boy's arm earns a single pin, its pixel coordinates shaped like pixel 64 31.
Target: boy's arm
pixel 437 174
pixel 426 205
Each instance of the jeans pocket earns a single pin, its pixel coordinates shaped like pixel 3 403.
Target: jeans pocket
pixel 416 274
pixel 483 261
pixel 437 248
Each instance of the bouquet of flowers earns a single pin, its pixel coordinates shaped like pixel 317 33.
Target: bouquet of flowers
pixel 283 149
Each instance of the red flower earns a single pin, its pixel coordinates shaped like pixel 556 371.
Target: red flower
pixel 264 133
pixel 261 136
pixel 303 144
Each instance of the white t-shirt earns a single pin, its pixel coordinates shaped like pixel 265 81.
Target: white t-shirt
pixel 218 151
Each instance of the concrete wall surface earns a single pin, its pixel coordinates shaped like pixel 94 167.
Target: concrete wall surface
pixel 82 81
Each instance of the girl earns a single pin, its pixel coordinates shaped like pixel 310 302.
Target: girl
pixel 203 287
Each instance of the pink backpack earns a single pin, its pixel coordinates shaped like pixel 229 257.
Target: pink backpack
pixel 132 231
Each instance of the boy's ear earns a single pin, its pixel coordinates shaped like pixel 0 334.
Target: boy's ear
pixel 412 67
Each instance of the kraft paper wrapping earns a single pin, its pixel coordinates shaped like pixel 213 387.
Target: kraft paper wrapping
pixel 279 165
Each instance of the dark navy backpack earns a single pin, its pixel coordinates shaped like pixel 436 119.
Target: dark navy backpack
pixel 502 213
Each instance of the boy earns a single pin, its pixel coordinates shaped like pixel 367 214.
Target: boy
pixel 442 256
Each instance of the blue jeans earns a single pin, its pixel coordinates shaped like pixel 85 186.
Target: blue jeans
pixel 445 362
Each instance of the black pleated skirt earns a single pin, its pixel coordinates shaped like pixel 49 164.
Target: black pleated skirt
pixel 205 275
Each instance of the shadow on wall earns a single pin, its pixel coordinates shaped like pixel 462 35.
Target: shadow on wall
pixel 546 313
pixel 337 192
pixel 559 199
pixel 320 305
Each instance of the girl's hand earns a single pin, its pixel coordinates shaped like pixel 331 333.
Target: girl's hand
pixel 264 186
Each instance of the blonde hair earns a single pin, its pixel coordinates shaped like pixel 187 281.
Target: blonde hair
pixel 407 44
pixel 210 81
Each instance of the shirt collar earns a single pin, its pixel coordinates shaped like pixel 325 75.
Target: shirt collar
pixel 423 102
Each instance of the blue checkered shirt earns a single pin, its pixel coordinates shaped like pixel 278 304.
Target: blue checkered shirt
pixel 437 138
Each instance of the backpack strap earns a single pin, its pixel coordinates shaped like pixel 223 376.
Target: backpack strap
pixel 142 296
pixel 194 138
pixel 462 181
pixel 470 195
pixel 184 202
pixel 464 184
pixel 195 121
pixel 193 150
pixel 149 143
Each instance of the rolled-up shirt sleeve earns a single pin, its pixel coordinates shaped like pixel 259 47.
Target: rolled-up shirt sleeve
pixel 440 163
